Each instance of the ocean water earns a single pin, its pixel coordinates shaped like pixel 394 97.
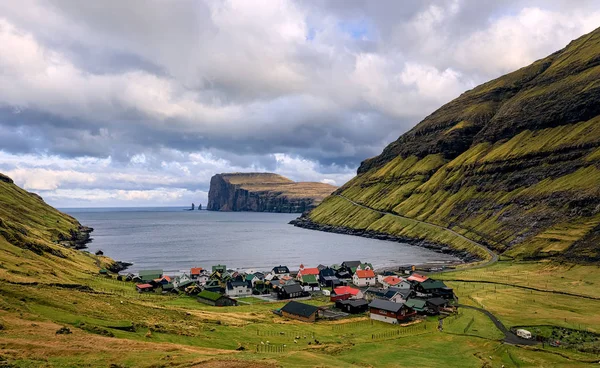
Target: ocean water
pixel 176 240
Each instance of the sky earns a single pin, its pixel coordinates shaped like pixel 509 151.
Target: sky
pixel 138 103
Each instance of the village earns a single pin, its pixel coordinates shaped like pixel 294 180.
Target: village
pixel 352 287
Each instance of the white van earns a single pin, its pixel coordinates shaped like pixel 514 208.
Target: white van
pixel 523 334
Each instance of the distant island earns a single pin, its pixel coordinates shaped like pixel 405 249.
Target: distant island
pixel 264 192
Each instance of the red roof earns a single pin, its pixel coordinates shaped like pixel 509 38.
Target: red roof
pixel 416 277
pixel 392 280
pixel 309 271
pixel 143 286
pixel 345 290
pixel 168 278
pixel 363 274
pixel 196 270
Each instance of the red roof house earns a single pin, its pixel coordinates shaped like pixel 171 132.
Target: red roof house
pixel 417 277
pixel 195 270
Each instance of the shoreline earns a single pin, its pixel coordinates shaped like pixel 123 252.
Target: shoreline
pixel 465 257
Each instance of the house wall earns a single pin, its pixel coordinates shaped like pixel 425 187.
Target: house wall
pixel 369 281
pixel 382 318
pixel 312 318
pixel 206 301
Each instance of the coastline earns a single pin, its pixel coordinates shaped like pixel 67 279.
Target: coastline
pixel 305 223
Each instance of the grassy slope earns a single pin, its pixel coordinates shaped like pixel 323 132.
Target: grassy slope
pixel 513 164
pixel 178 331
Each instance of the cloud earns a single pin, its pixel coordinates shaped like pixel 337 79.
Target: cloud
pixel 133 100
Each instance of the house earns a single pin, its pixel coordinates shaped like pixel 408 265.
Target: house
pixel 300 311
pixel 435 305
pixel 280 271
pixel 195 272
pixel 260 288
pixel 310 283
pixel 144 288
pixel 399 295
pixel 352 306
pixel 149 275
pixel 418 305
pixel 362 278
pixel 327 271
pixel 307 271
pixel 219 268
pixel 168 288
pixel 390 312
pixel 330 281
pixel 343 274
pixel 163 280
pixel 433 288
pixel 238 288
pixel 215 299
pixel 259 275
pixel 291 292
pixel 349 292
pixel 252 279
pixel 213 285
pixel 383 275
pixel 416 278
pixel 321 267
pixel 364 266
pixel 395 282
pixel 182 281
pixel 348 265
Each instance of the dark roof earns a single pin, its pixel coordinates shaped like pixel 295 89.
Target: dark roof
pixel 299 309
pixel 437 301
pixel 353 302
pixel 376 291
pixel 403 292
pixel 294 288
pixel 430 284
pixel 281 269
pixel 417 304
pixel 351 263
pixel 331 278
pixel 386 305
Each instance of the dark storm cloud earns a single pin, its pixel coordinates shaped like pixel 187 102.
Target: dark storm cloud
pixel 136 101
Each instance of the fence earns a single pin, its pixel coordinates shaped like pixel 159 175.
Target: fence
pixel 400 332
pixel 342 326
pixel 294 335
pixel 271 348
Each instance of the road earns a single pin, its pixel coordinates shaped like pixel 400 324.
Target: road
pixel 509 337
pixel 493 256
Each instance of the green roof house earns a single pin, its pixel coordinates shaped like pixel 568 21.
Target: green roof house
pixel 219 268
pixel 215 299
pixel 149 275
pixel 417 304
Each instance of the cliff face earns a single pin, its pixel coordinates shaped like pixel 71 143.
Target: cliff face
pixel 264 192
pixel 37 242
pixel 513 163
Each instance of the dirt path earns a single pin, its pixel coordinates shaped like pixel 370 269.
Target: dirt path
pixel 493 256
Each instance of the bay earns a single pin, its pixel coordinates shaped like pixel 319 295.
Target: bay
pixel 175 240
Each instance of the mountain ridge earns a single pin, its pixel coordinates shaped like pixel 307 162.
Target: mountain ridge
pixel 513 163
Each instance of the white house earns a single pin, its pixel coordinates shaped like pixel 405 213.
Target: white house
pixel 363 278
pixel 238 288
pixel 394 281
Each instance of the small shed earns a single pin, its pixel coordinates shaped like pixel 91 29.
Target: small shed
pixel 300 311
pixel 352 306
pixel 215 299
pixel 144 288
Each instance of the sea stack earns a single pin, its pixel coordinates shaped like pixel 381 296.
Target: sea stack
pixel 264 192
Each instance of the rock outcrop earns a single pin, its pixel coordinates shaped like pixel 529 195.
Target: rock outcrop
pixel 264 192
pixel 513 163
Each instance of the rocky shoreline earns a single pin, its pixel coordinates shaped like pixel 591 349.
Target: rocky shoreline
pixel 304 222
pixel 77 238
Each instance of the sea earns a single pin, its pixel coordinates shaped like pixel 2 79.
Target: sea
pixel 174 240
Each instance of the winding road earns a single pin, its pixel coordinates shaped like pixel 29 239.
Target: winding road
pixel 509 336
pixel 493 256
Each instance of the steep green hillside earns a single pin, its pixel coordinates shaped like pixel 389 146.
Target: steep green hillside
pixel 37 242
pixel 513 164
